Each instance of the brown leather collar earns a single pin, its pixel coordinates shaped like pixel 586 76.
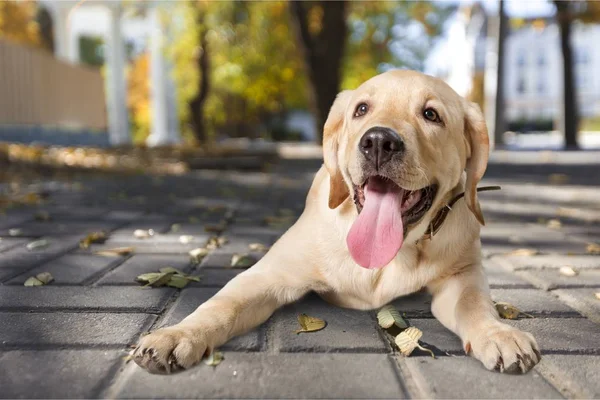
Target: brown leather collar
pixel 440 217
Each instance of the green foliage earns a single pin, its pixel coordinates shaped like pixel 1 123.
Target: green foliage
pixel 89 50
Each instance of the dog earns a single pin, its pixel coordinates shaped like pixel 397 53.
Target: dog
pixel 378 224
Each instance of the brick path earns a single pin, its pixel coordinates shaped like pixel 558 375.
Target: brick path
pixel 68 339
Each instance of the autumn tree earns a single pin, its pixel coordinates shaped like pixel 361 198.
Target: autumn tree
pixel 18 22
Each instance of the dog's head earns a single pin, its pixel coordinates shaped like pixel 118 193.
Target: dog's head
pixel 398 144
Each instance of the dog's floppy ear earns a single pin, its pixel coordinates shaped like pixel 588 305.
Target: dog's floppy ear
pixel 338 191
pixel 477 156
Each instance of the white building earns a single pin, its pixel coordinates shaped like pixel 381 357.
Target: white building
pixel 533 81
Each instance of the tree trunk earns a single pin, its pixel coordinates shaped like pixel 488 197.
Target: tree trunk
pixel 197 103
pixel 570 117
pixel 323 52
pixel 500 118
pixel 44 20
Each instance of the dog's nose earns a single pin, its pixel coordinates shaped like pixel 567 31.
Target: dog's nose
pixel 379 145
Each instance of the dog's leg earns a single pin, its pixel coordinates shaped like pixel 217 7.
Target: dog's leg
pixel 462 304
pixel 248 300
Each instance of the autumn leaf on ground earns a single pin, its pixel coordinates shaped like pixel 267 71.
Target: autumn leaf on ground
pixel 522 253
pixel 93 238
pixel 242 261
pixel 593 248
pixel 38 244
pixel 508 311
pixel 155 279
pixel 186 239
pixel 175 228
pixel 558 179
pixel 554 224
pixel 310 324
pixel 167 276
pixel 197 255
pixel 258 247
pixel 214 358
pixel 40 279
pixel 408 340
pixel 388 316
pixel 143 233
pixel 15 232
pixel 568 271
pixel 117 251
pixel 216 241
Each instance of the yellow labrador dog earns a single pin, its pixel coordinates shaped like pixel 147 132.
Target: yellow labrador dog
pixel 377 225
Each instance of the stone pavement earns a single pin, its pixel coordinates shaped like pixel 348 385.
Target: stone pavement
pixel 70 338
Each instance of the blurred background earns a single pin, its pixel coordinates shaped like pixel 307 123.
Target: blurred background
pixel 197 74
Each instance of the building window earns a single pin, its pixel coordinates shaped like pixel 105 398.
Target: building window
pixel 521 86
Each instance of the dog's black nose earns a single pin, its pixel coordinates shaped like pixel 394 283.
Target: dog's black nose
pixel 379 145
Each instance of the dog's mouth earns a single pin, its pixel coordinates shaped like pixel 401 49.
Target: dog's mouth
pixel 386 212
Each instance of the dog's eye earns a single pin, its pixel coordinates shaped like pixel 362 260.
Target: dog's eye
pixel 361 110
pixel 431 115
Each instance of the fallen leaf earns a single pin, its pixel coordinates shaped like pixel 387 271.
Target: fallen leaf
pixel 175 228
pixel 214 358
pixel 310 324
pixel 593 248
pixel 522 252
pixel 186 239
pixel 508 311
pixel 554 224
pixel 93 238
pixel 128 358
pixel 143 233
pixel 197 255
pixel 258 247
pixel 216 228
pixel 242 261
pixel 118 251
pixel 408 340
pixel 568 271
pixel 168 270
pixel 216 241
pixel 42 216
pixel 178 281
pixel 38 244
pixel 41 279
pixel 388 316
pixel 147 277
pixel 558 179
pixel 15 232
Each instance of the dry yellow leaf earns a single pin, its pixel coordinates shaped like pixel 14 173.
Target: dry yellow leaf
pixel 214 358
pixel 509 311
pixel 554 224
pixel 143 233
pixel 408 340
pixel 242 261
pixel 197 255
pixel 593 248
pixel 37 244
pixel 568 271
pixel 522 252
pixel 388 316
pixel 558 179
pixel 310 324
pixel 186 239
pixel 41 279
pixel 117 251
pixel 94 237
pixel 258 247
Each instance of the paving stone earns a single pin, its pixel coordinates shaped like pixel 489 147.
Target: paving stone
pixel 222 260
pixel 6 273
pixel 56 298
pixel 7 243
pixel 62 228
pixel 467 378
pixel 534 301
pixel 551 278
pixel 549 261
pixel 14 220
pixel 499 277
pixel 190 299
pixel 64 329
pixel 577 377
pixel 72 268
pixel 126 273
pixel 149 246
pixel 243 375
pixel 554 335
pixel 416 305
pixel 214 277
pixel 56 373
pixel 347 330
pixel 158 223
pixel 583 300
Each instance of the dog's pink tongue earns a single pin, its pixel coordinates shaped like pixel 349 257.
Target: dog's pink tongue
pixel 376 236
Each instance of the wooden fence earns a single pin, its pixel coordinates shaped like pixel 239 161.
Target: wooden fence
pixel 36 89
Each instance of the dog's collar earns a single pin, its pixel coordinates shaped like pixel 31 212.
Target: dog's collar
pixel 437 222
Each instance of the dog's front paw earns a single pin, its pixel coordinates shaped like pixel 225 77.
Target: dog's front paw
pixel 505 349
pixel 170 349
